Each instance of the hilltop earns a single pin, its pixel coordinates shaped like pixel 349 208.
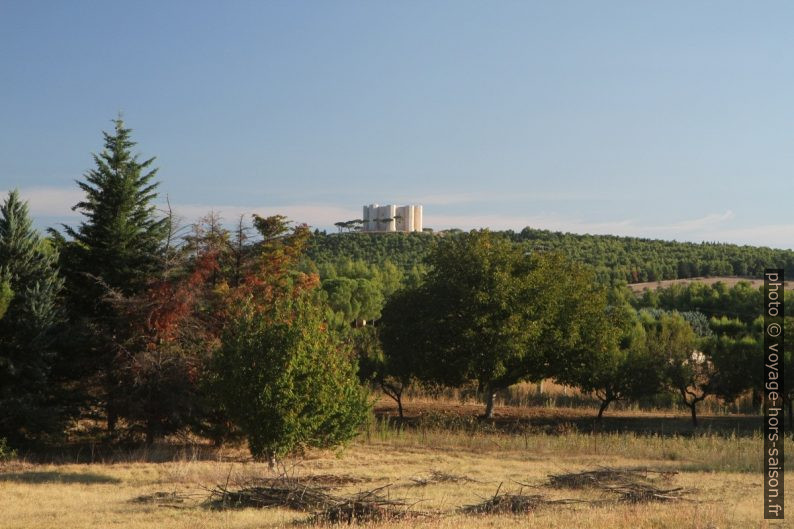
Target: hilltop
pixel 630 259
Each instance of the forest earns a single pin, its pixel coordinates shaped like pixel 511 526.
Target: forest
pixel 130 327
pixel 614 259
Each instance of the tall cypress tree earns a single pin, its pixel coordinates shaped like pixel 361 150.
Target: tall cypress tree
pixel 29 288
pixel 117 248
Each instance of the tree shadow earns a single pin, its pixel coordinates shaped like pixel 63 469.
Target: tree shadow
pixel 108 453
pixel 560 422
pixel 84 478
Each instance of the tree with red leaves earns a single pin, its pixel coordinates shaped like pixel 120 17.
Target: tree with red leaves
pixel 171 330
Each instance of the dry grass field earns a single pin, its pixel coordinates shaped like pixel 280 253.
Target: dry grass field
pixel 730 281
pixel 434 468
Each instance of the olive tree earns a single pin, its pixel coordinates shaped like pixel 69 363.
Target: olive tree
pixel 688 371
pixel 624 369
pixel 492 314
pixel 406 344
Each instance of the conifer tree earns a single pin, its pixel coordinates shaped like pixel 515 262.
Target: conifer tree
pixel 122 237
pixel 6 295
pixel 117 249
pixel 29 288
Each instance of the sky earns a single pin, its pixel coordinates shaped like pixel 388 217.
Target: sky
pixel 670 120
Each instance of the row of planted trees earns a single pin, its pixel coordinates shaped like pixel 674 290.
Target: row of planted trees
pixel 491 314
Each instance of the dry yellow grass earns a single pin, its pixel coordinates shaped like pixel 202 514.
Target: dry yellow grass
pixel 724 471
pixel 730 281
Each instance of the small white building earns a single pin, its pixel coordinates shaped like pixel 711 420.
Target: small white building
pixel 392 218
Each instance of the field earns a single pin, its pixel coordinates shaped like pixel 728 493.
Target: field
pixel 729 281
pixel 443 460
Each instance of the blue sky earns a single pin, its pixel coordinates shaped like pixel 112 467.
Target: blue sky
pixel 668 120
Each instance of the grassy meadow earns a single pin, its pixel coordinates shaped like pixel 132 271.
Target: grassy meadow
pixel 168 485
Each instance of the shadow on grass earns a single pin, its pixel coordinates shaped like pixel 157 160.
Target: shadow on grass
pixel 511 421
pixel 84 478
pixel 108 453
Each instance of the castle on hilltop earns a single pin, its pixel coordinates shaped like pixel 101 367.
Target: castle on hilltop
pixel 392 218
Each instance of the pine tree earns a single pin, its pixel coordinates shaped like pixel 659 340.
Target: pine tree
pixel 122 237
pixel 117 249
pixel 6 295
pixel 29 288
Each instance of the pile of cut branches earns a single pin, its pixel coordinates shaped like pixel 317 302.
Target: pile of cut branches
pixel 271 492
pixel 332 480
pixel 507 503
pixel 634 485
pixel 607 476
pixel 365 506
pixel 437 476
pixel 641 493
pixel 292 494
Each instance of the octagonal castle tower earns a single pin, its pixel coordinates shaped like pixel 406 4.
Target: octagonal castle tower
pixel 392 218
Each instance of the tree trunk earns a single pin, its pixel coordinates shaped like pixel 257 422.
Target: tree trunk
pixel 111 406
pixel 603 408
pixel 489 404
pixel 790 412
pixel 152 428
pixel 112 418
pixel 693 409
pixel 396 394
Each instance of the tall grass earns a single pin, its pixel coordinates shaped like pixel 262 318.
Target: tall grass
pixel 708 451
pixel 550 394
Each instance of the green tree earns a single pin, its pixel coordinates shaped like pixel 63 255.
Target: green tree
pixel 498 316
pixel 117 248
pixel 353 299
pixel 30 289
pixel 624 370
pixel 286 379
pixel 121 240
pixel 688 371
pixel 735 361
pixel 6 295
pixel 407 344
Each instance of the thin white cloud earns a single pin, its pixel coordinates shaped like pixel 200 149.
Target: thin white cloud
pixel 58 202
pixel 697 224
pixel 50 201
pixel 449 199
pixel 710 227
pixel 774 235
pixel 566 224
pixel 312 214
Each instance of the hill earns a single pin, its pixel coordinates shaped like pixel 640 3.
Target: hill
pixel 630 259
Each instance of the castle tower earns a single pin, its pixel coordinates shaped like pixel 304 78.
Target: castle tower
pixel 392 218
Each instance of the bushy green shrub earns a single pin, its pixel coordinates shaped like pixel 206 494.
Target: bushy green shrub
pixel 287 380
